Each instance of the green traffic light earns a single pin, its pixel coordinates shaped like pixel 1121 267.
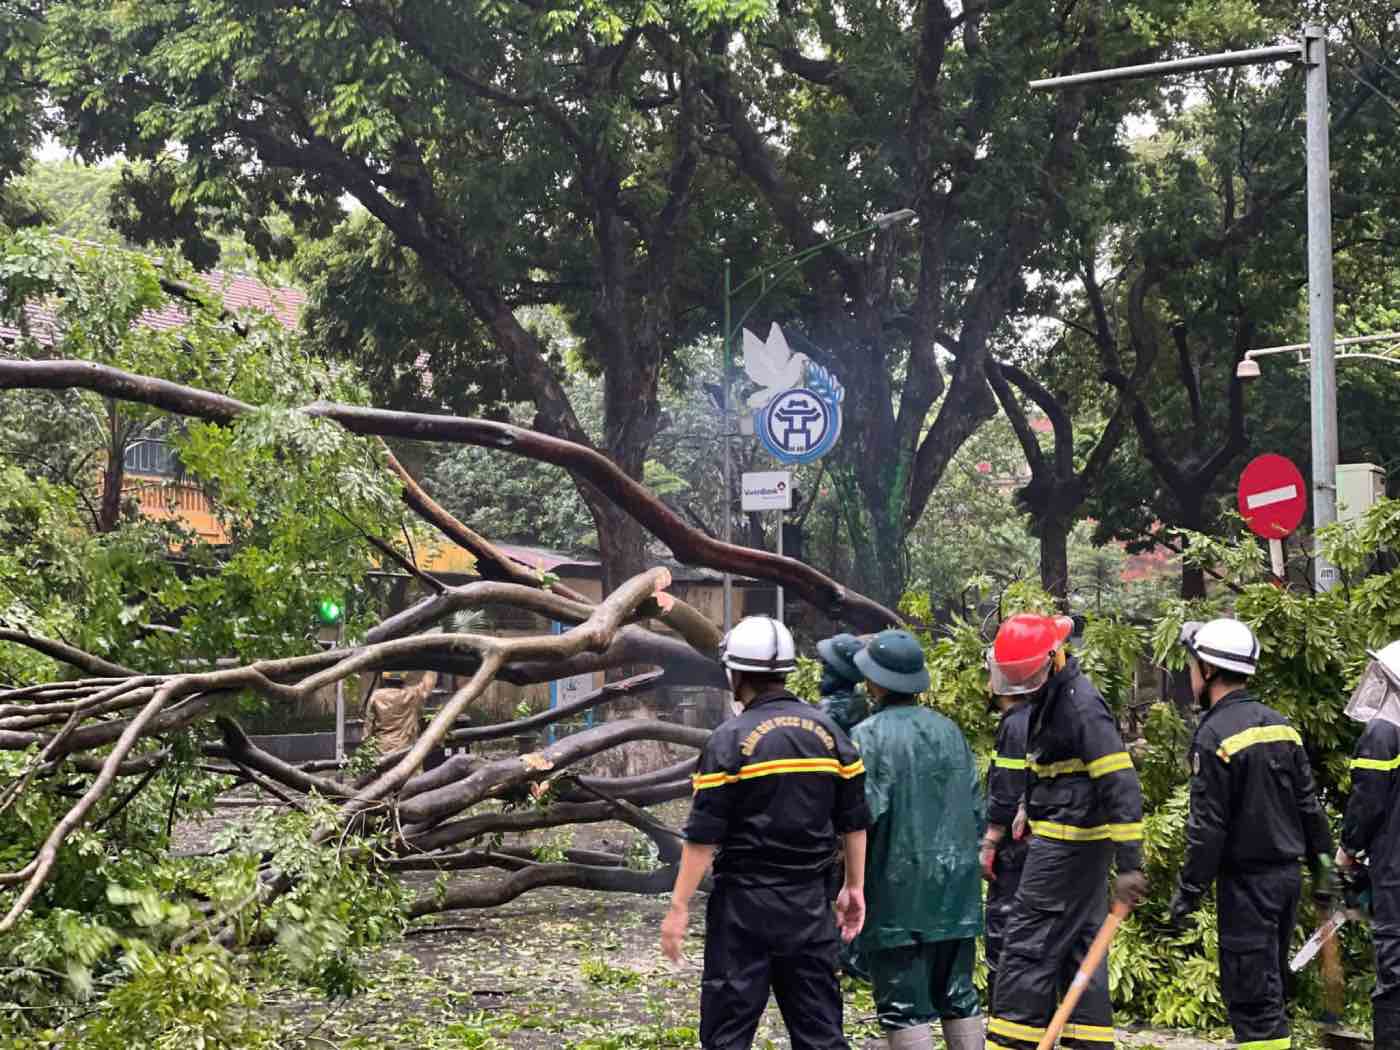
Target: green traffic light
pixel 330 611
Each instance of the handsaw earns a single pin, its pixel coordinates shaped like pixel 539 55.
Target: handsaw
pixel 1321 936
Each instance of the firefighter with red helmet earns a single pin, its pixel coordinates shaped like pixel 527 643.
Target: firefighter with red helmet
pixel 1084 805
pixel 1002 855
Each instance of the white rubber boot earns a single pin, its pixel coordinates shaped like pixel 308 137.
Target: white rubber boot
pixel 920 1037
pixel 965 1033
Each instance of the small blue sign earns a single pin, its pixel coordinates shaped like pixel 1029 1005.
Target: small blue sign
pixel 798 405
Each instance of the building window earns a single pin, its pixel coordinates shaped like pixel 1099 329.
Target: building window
pixel 152 456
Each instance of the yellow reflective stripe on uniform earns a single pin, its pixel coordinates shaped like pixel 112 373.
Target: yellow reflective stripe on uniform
pixel 1071 833
pixel 1382 765
pixel 699 782
pixel 1267 1044
pixel 1233 745
pixel 1125 832
pixel 1002 762
pixel 1102 767
pixel 999 1026
pixel 1091 1033
pixel 1068 832
pixel 1057 769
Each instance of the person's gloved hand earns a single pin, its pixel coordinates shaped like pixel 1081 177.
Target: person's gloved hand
pixel 1325 883
pixel 1020 824
pixel 1130 888
pixel 1179 912
pixel 987 860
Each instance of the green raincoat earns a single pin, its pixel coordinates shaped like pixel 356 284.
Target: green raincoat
pixel 922 881
pixel 844 704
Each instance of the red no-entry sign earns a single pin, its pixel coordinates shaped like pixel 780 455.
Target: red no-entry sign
pixel 1273 498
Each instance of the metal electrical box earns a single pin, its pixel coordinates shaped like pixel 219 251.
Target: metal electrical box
pixel 1359 487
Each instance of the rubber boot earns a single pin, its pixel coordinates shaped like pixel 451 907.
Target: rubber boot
pixel 920 1037
pixel 1387 1029
pixel 964 1033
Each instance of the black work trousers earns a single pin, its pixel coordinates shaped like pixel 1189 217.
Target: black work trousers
pixel 1060 905
pixel 778 938
pixel 1001 895
pixel 1257 910
pixel 1385 929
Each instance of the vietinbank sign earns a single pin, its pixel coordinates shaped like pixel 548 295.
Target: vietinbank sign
pixel 767 490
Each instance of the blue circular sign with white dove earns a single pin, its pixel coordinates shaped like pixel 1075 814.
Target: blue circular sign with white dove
pixel 798 404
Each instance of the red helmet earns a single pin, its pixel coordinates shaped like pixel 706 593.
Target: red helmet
pixel 1019 660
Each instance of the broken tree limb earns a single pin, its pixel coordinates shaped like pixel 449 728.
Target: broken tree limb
pixel 536 876
pixel 689 544
pixel 552 816
pixel 65 653
pixel 491 562
pixel 445 801
pixel 239 749
pixel 485 594
pixel 633 686
pixel 622 785
pixel 513 856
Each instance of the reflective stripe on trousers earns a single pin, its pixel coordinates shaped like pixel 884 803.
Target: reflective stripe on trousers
pixel 1060 905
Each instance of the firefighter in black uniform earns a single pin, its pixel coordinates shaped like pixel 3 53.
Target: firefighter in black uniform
pixel 1254 816
pixel 1371 828
pixel 1003 854
pixel 1085 809
pixel 774 789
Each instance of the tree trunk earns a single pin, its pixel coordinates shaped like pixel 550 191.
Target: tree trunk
pixel 1193 578
pixel 109 508
pixel 1054 559
pixel 875 536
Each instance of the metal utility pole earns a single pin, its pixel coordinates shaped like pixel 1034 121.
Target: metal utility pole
pixel 1312 52
pixel 1321 313
pixel 339 699
pixel 727 511
pixel 778 592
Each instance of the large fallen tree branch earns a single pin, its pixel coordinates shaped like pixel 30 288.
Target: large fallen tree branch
pixel 178 700
pixel 689 544
pixel 537 876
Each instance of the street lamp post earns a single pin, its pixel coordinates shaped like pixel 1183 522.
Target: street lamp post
pixel 769 276
pixel 1311 52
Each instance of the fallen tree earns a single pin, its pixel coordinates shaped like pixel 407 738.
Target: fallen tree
pixel 100 744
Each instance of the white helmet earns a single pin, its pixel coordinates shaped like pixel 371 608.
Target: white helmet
pixel 1223 643
pixel 759 645
pixel 1377 695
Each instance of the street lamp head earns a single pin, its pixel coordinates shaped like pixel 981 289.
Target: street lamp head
pixel 893 218
pixel 1247 369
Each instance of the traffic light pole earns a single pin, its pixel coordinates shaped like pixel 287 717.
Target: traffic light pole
pixel 340 700
pixel 1311 51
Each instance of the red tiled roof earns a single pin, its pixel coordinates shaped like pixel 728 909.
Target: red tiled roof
pixel 239 291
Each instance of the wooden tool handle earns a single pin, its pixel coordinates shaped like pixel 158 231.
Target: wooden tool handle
pixel 1332 985
pixel 1092 958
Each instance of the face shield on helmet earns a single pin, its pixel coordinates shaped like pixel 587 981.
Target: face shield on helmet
pixel 1377 695
pixel 1019 677
pixel 1023 655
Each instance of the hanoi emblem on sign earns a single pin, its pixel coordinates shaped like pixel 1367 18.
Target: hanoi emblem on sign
pixel 798 405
